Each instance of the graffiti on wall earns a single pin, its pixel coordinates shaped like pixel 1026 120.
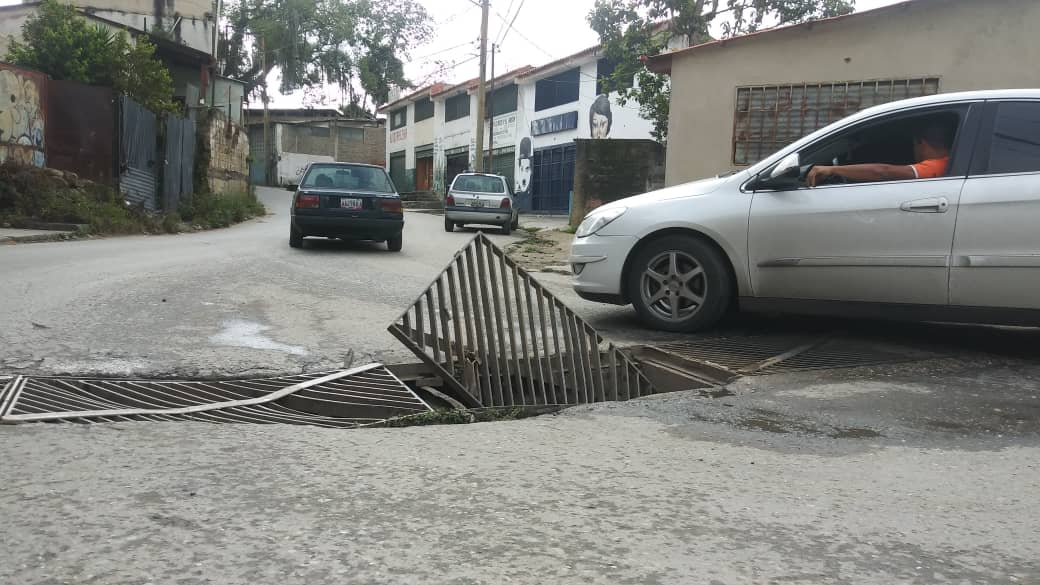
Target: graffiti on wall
pixel 21 118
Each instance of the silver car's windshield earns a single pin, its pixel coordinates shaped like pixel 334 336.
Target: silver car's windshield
pixel 479 184
pixel 350 177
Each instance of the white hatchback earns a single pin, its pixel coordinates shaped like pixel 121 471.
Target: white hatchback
pixel 963 246
pixel 480 199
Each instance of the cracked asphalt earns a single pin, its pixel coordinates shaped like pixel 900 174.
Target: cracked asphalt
pixel 218 303
pixel 925 472
pixel 913 474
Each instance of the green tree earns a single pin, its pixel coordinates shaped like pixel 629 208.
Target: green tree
pixel 632 29
pixel 59 42
pixel 355 45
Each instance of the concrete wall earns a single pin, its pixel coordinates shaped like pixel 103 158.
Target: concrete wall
pixel 608 170
pixel 339 145
pixel 222 155
pixel 968 44
pixel 11 20
pixel 22 107
pixel 195 32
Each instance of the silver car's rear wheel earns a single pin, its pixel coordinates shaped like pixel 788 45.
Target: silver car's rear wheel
pixel 673 286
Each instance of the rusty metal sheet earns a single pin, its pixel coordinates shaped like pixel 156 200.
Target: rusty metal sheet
pixel 81 130
pixel 498 338
pixel 23 123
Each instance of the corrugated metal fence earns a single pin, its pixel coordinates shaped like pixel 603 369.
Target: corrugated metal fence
pixel 179 167
pixel 138 154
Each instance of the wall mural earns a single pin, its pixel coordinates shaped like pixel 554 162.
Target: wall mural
pixel 522 182
pixel 21 118
pixel 600 117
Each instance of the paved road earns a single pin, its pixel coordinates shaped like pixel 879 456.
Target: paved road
pixel 921 474
pixel 222 302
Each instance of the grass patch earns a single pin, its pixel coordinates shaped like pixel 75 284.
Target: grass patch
pixel 209 210
pixel 569 229
pixel 45 195
pixel 464 417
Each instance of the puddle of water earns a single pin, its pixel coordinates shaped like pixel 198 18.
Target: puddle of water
pixel 250 334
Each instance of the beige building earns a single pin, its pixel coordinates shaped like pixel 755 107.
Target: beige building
pixel 738 100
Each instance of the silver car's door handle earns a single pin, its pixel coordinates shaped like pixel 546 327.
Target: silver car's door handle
pixel 929 205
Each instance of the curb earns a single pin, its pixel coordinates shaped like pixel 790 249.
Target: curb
pixel 34 239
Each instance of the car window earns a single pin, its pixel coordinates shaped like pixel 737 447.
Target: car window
pixel 479 184
pixel 889 140
pixel 347 177
pixel 1015 144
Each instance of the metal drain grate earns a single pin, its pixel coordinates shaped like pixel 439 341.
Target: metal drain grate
pixel 845 353
pixel 735 354
pixel 344 399
pixel 777 354
pixel 498 338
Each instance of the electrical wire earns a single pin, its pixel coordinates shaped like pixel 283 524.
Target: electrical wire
pixel 522 36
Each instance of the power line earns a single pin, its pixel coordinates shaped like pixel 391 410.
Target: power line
pixel 504 33
pixel 435 53
pixel 508 10
pixel 447 68
pixel 529 41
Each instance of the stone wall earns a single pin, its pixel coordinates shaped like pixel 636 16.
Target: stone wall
pixel 608 170
pixel 221 155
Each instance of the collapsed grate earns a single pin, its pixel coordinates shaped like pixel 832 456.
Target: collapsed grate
pixel 343 399
pixel 777 354
pixel 498 338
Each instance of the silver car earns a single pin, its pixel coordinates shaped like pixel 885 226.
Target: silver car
pixel 962 246
pixel 480 199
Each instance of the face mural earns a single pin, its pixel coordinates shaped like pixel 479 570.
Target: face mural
pixel 600 117
pixel 523 175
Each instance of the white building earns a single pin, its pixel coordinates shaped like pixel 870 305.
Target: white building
pixel 538 113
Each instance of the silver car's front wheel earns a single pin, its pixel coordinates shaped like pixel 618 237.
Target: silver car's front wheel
pixel 679 283
pixel 673 286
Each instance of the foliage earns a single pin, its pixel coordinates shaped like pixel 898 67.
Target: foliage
pixel 59 42
pixel 214 211
pixel 631 29
pixel 30 193
pixel 356 45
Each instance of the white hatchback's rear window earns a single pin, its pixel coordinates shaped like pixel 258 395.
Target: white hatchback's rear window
pixel 479 184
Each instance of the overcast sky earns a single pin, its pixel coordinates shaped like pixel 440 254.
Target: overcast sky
pixel 544 30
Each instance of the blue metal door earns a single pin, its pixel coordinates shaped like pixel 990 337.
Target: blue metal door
pixel 553 179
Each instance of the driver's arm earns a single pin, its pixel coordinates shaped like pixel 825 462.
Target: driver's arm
pixel 861 173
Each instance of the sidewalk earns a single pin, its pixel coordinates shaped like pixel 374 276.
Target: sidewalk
pixel 20 236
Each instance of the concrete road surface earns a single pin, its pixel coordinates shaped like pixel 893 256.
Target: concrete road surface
pixel 223 302
pixel 919 474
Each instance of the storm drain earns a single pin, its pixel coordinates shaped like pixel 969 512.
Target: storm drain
pixel 729 357
pixel 343 399
pixel 496 337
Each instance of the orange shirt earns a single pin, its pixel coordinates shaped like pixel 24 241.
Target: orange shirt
pixel 932 168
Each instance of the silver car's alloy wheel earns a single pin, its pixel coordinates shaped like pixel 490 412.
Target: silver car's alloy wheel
pixel 673 286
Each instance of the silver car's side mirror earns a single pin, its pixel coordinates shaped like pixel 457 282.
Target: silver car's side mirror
pixel 789 167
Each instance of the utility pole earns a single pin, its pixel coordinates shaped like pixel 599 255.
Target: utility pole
pixel 478 160
pixel 491 116
pixel 267 115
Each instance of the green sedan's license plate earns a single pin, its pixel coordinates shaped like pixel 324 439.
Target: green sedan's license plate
pixel 350 203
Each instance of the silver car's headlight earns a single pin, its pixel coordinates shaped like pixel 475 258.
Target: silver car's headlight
pixel 597 221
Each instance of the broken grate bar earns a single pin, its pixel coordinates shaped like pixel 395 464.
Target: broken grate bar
pixel 498 338
pixel 344 399
pixel 761 355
